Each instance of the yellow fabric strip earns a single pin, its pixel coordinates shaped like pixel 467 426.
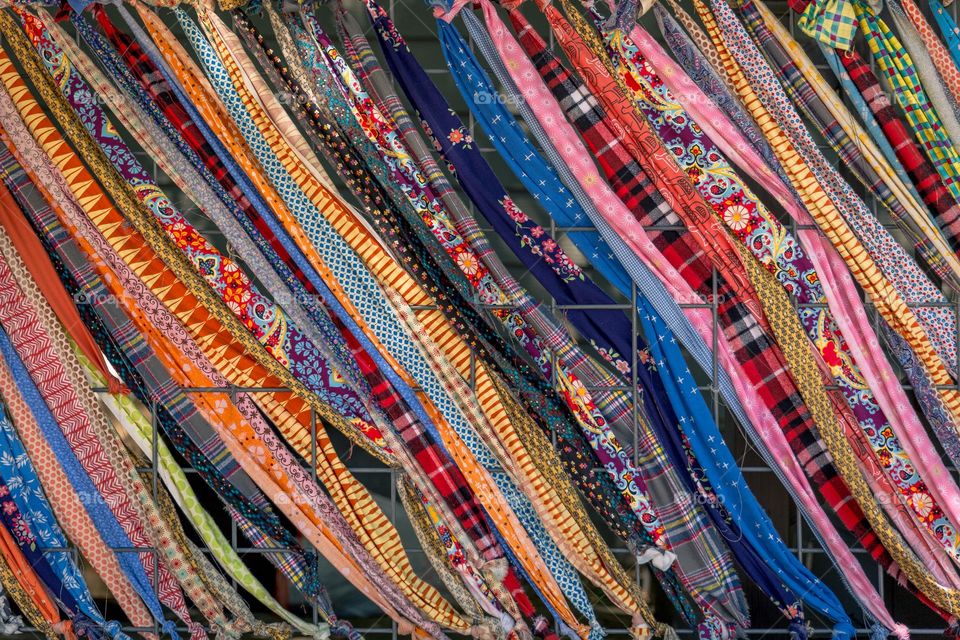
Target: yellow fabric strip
pixel 871 280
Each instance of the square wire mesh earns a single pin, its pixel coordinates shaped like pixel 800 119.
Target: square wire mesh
pixel 414 21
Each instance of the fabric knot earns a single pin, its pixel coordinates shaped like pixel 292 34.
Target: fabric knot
pixel 597 632
pixel 639 629
pixel 845 631
pixel 540 626
pixel 496 570
pixel 797 629
pixel 169 628
pixel 487 630
pixel 84 627
pixel 116 387
pixel 713 628
pixel 322 631
pixel 275 630
pixel 114 630
pixel 64 628
pixel 12 626
pixel 567 632
pixel 448 15
pixel 343 629
pixel 660 558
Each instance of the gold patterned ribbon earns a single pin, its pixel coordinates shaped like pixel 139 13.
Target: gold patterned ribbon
pixel 564 515
pixel 231 347
pixel 870 278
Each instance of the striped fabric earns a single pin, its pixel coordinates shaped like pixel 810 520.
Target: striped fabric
pixel 815 199
pixel 290 414
pixel 897 67
pixel 924 175
pixel 938 257
pixel 754 346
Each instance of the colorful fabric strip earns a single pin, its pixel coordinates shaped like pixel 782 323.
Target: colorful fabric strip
pixel 775 247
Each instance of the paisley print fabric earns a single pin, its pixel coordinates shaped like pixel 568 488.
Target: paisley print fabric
pixel 767 239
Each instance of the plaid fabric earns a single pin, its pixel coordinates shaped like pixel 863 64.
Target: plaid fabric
pixel 445 476
pixel 897 66
pixel 850 152
pixel 297 568
pixel 628 179
pixel 754 347
pixel 928 182
pixel 832 22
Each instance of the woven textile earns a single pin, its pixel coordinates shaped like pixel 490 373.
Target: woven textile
pixel 794 167
pixel 286 409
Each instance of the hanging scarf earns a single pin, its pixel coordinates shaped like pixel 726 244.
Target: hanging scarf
pixel 793 166
pixel 862 342
pixel 290 412
pixel 609 258
pixel 853 146
pixel 749 221
pixel 460 54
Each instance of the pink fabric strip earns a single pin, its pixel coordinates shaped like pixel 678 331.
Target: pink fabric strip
pixel 569 145
pixel 845 303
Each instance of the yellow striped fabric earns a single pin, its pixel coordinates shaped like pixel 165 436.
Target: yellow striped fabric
pixel 563 515
pixel 869 277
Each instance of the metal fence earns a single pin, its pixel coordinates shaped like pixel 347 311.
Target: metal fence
pixel 415 22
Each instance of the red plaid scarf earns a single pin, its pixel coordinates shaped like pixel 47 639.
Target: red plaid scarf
pixel 608 138
pixel 928 182
pixel 443 474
